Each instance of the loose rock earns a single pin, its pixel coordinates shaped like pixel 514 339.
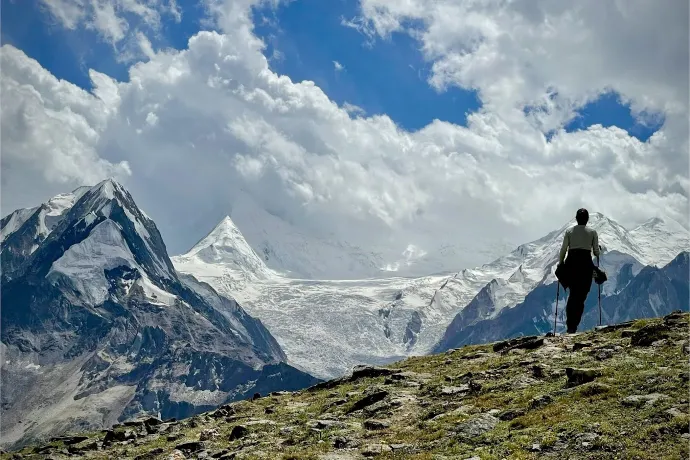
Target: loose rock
pixel 477 425
pixel 522 382
pixel 586 439
pixel 580 345
pixel 675 412
pixel 359 372
pixel 176 455
pixel 540 401
pixel 580 376
pixel 324 424
pixel 342 442
pixel 376 449
pixel 376 425
pixel 510 414
pixel 448 391
pixel 643 400
pixel 119 435
pixel 613 327
pixel 649 334
pixel 69 440
pixel 368 401
pixel 190 447
pixel 604 354
pixel 538 371
pixel 381 406
pixel 527 343
pixel 238 432
pixel 208 434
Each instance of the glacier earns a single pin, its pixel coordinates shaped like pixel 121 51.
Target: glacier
pixel 328 326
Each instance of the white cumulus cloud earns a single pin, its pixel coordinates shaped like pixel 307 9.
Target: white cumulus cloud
pixel 201 126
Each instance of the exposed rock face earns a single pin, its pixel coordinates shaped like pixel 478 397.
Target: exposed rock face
pixel 98 327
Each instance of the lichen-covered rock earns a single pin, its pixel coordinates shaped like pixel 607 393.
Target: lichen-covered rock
pixel 376 425
pixel 643 400
pixel 208 434
pixel 649 334
pixel 540 401
pixel 176 455
pixel 372 450
pixel 477 425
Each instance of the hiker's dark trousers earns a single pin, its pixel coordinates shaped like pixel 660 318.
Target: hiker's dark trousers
pixel 580 269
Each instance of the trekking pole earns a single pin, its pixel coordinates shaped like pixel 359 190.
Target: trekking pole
pixel 555 315
pixel 599 285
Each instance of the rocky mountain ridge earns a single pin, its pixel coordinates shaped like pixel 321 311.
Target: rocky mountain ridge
pixel 617 392
pixel 98 327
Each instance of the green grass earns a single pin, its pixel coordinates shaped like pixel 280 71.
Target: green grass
pixel 591 409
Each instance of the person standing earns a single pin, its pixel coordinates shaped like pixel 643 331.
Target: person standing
pixel 579 243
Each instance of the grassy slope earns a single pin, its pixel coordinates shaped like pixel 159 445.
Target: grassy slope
pixel 587 421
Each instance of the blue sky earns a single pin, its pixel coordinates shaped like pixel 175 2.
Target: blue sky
pixel 307 159
pixel 303 39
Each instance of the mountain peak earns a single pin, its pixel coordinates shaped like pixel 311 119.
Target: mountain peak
pixel 226 225
pixel 654 221
pixel 223 233
pixel 109 184
pixel 226 246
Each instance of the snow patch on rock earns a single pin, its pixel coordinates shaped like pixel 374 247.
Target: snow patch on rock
pixel 84 263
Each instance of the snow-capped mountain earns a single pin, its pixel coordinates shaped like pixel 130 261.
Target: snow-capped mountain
pixel 97 326
pixel 658 240
pixel 225 256
pixel 625 254
pixel 507 280
pixel 289 250
pixel 653 292
pixel 22 231
pixel 302 254
pixel 327 326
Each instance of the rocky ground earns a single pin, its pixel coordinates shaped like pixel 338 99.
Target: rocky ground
pixel 618 392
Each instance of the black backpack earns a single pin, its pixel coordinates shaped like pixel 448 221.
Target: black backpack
pixel 599 275
pixel 562 275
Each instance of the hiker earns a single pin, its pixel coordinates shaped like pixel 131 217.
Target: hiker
pixel 579 242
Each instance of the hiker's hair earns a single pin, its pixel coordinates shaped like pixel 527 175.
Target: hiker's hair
pixel 582 216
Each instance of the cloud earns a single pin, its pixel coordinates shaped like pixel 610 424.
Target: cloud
pixel 338 66
pixel 50 131
pixel 120 23
pixel 353 109
pixel 517 53
pixel 199 127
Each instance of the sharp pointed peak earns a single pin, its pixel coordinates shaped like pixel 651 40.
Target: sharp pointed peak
pixel 225 228
pixel 108 186
pixel 226 225
pixel 227 220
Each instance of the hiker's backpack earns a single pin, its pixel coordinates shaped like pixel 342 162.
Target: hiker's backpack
pixel 600 276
